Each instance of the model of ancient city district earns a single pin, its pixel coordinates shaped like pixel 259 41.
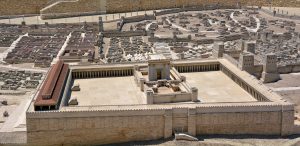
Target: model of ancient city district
pixel 140 73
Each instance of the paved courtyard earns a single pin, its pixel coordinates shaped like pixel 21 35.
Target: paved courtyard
pixel 217 87
pixel 107 91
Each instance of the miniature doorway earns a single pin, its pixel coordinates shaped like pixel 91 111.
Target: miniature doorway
pixel 158 74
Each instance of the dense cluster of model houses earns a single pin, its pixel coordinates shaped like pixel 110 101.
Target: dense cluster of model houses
pixel 12 80
pixel 43 42
pixel 81 46
pixel 134 48
pixel 8 34
pixel 39 50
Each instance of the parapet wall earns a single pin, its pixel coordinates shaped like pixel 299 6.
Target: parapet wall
pixel 289 69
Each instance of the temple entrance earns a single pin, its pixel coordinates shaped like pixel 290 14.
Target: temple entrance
pixel 158 74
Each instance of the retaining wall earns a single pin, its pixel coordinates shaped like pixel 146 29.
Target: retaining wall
pixel 102 127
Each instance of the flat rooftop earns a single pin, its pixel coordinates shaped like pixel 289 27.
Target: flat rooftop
pixel 215 86
pixel 108 91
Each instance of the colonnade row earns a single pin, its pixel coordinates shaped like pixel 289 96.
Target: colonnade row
pixel 101 73
pixel 198 68
pixel 258 96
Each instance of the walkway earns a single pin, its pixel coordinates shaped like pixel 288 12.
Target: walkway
pixel 248 29
pixel 62 50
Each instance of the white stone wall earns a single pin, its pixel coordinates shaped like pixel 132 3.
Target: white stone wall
pixel 123 126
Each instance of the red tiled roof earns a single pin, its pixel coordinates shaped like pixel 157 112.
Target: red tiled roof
pixel 50 92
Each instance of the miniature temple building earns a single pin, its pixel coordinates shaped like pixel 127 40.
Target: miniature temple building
pixel 159 67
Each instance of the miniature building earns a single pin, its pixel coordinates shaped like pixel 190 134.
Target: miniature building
pixel 159 67
pixel 115 98
pixel 218 49
pixel 246 62
pixel 270 72
pixel 160 88
pixel 250 47
pixel 50 93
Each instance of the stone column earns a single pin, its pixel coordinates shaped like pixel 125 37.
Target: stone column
pixel 194 94
pixel 142 82
pixel 192 128
pixel 149 96
pixel 168 124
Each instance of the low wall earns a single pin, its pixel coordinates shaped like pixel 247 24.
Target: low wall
pixel 289 69
pixel 169 11
pixel 124 33
pixel 138 18
pixel 231 60
pixel 172 98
